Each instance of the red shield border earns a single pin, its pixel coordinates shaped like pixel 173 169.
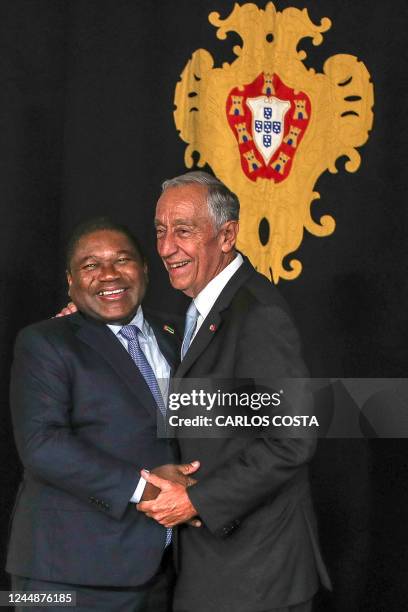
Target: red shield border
pixel 238 112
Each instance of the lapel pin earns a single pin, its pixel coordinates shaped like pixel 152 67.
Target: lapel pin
pixel 169 329
pixel 213 327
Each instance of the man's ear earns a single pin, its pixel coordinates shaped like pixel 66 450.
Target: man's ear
pixel 229 233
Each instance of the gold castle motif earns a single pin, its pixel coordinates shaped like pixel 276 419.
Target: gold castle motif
pixel 269 126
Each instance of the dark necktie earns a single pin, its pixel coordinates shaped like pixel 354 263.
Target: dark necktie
pixel 131 333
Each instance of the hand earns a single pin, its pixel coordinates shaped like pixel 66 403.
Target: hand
pixel 172 472
pixel 172 506
pixel 70 308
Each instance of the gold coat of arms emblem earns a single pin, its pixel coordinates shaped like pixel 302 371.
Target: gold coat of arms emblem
pixel 269 126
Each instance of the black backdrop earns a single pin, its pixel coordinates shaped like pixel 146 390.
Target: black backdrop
pixel 86 128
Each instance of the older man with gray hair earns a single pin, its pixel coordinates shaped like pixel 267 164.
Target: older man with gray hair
pixel 257 549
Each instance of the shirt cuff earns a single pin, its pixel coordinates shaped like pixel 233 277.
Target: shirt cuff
pixel 137 495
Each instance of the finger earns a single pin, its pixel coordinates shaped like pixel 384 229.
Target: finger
pixel 169 522
pixel 71 307
pixel 165 514
pixel 63 313
pixel 166 521
pixel 160 483
pixel 145 506
pixel 194 523
pixel 189 468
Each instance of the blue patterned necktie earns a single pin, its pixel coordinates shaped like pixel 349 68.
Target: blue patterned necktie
pixel 131 333
pixel 190 325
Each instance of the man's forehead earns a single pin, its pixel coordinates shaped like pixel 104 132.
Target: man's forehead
pixel 181 204
pixel 103 252
pixel 103 241
pixel 178 219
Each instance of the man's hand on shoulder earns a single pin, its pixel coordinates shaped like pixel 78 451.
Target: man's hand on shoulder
pixel 70 308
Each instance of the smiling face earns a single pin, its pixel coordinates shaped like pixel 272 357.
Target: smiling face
pixel 192 250
pixel 107 277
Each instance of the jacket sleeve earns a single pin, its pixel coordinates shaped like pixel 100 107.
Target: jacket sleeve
pixel 49 445
pixel 268 349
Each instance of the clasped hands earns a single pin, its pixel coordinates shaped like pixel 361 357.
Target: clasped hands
pixel 165 496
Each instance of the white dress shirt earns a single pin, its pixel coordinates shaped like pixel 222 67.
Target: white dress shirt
pixel 206 299
pixel 157 362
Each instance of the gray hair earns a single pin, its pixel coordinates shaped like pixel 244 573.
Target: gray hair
pixel 223 205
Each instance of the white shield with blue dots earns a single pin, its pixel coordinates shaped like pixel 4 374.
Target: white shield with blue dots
pixel 268 115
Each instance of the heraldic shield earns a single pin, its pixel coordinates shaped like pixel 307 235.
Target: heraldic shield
pixel 269 126
pixel 268 120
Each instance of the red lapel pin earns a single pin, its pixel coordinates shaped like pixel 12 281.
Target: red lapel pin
pixel 213 327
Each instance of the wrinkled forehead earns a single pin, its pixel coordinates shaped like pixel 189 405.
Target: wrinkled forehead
pixel 188 202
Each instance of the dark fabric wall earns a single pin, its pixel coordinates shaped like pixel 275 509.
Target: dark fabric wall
pixel 86 128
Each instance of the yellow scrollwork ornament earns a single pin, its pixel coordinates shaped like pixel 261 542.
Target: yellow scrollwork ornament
pixel 269 126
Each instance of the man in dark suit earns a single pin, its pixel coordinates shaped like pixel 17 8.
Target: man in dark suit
pixel 257 549
pixel 85 399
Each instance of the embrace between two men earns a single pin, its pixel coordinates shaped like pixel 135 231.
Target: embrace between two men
pixel 103 497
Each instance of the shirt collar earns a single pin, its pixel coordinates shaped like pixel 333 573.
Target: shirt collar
pixel 205 300
pixel 138 320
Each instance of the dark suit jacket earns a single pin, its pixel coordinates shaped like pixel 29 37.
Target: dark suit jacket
pixel 85 424
pixel 258 548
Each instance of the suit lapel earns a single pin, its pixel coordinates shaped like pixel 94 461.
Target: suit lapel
pixel 213 322
pixel 169 343
pixel 102 340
